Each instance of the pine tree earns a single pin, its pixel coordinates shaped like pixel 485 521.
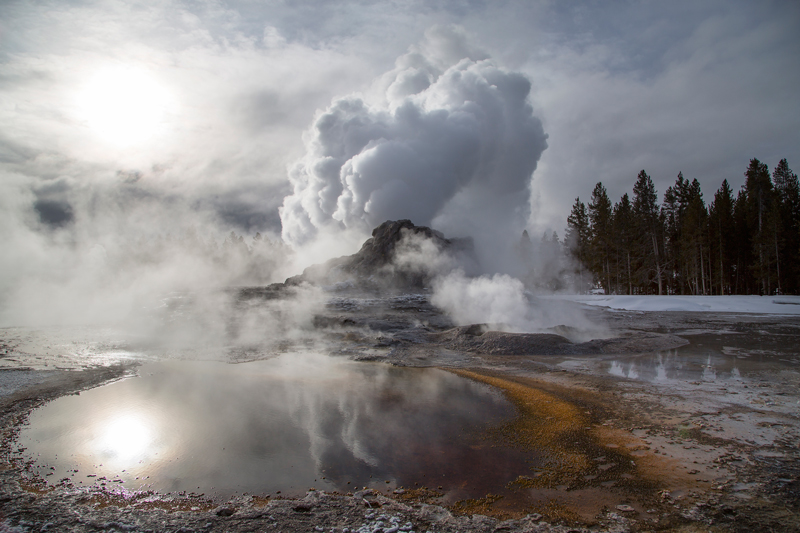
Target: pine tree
pixel 686 254
pixel 759 209
pixel 721 230
pixel 670 212
pixel 576 239
pixel 676 201
pixel 743 282
pixel 623 229
pixel 787 192
pixel 601 236
pixel 693 246
pixel 649 231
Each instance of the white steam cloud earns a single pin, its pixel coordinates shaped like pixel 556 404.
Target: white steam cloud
pixel 124 249
pixel 451 142
pixel 499 299
pixel 502 302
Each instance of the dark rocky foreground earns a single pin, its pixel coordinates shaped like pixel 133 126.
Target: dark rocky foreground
pixel 705 453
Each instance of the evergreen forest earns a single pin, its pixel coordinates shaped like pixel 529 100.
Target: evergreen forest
pixel 743 243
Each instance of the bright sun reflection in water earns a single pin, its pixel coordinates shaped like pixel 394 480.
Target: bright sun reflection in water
pixel 125 438
pixel 124 105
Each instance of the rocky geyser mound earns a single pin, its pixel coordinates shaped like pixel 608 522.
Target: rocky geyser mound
pixel 393 258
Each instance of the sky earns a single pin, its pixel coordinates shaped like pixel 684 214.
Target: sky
pixel 312 122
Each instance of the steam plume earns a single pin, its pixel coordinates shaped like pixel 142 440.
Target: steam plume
pixel 451 142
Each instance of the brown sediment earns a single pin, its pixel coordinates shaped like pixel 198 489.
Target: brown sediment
pixel 35 487
pixel 419 495
pixel 481 506
pixel 584 466
pixel 554 510
pixel 260 501
pixel 662 472
pixel 546 424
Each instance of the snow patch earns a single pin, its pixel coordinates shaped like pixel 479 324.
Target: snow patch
pixel 771 305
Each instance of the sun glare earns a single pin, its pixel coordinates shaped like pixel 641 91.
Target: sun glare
pixel 124 106
pixel 125 438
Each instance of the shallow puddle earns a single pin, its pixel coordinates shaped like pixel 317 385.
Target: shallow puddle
pixel 711 357
pixel 286 424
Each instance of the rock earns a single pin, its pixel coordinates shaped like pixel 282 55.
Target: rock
pixel 313 497
pixel 381 262
pixel 225 511
pixel 303 507
pixel 484 522
pixel 625 508
pixel 433 513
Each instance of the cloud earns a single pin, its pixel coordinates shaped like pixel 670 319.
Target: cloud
pixel 698 88
pixel 225 105
pixel 450 141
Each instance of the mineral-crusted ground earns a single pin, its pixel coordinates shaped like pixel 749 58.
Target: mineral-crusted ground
pixel 710 449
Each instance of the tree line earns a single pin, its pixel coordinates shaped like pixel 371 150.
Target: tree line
pixel 743 244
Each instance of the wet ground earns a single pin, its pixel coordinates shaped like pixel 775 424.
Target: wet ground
pixel 694 435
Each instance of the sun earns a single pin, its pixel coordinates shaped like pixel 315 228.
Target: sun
pixel 124 106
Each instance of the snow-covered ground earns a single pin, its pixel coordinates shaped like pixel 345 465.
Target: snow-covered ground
pixel 774 305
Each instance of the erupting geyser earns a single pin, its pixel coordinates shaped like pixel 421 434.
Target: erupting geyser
pixel 451 142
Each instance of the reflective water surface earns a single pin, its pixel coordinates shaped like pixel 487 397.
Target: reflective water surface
pixel 712 357
pixel 286 424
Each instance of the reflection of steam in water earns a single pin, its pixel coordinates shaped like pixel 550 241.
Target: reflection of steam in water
pixel 707 358
pixel 661 369
pixel 623 371
pixel 289 423
pixel 709 372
